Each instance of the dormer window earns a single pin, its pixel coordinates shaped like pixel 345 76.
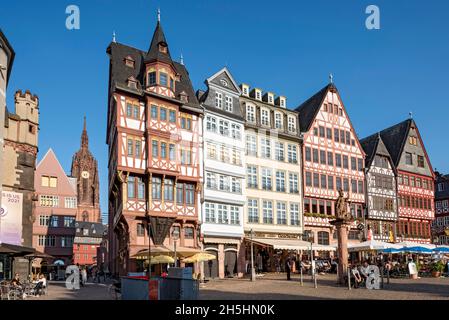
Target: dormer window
pixel 129 61
pixel 152 78
pixel 184 97
pixel 258 95
pixel 132 82
pixel 163 79
pixel 162 48
pixel 245 91
pixel 282 102
pixel 270 99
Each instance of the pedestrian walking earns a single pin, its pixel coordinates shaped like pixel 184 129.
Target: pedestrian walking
pixel 288 268
pixel 84 275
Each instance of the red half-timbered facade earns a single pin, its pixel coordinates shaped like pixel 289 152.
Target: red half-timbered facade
pixel 155 159
pixel 333 159
pixel 415 181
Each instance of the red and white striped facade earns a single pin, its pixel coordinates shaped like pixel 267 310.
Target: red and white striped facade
pixel 155 154
pixel 322 171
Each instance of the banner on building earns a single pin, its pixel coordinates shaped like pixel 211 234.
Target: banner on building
pixel 11 218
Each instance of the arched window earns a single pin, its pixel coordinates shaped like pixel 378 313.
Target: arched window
pixel 323 238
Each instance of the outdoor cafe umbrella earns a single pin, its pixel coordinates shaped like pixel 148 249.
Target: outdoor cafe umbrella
pixel 162 259
pixel 441 249
pixel 417 249
pixel 200 257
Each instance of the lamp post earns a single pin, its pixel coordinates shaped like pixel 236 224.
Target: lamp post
pixel 253 272
pixel 175 235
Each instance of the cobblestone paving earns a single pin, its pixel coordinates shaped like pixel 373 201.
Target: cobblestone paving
pixel 276 287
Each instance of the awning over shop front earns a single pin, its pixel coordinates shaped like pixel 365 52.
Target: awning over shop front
pixel 162 250
pixel 291 244
pixel 221 240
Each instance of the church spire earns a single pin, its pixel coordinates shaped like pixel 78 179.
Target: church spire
pixel 84 137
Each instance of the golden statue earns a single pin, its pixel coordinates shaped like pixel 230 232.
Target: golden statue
pixel 342 208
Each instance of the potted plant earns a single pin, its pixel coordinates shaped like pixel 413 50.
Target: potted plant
pixel 437 268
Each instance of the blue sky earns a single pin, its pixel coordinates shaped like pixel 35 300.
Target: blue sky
pixel 288 48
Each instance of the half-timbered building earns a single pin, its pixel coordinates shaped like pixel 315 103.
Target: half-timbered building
pixel 381 209
pixel 415 181
pixel 440 225
pixel 154 135
pixel 224 175
pixel 273 209
pixel 333 159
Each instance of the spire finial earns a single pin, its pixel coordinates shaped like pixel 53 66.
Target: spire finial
pixel 182 59
pixel 331 78
pixel 113 37
pixel 158 15
pixel 410 114
pixel 84 137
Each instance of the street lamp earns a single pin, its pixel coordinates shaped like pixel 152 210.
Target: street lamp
pixel 175 235
pixel 253 271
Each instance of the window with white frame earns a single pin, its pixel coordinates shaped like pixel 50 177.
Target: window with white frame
pixel 44 220
pixel 228 102
pixel 236 157
pixel 211 124
pixel 293 182
pixel 266 179
pixel 258 95
pixel 69 222
pixel 251 145
pixel 251 176
pixel 70 202
pixel 223 128
pixel 253 211
pixel 278 120
pixel 211 182
pixel 291 124
pixel 223 183
pixel 210 212
pixel 267 209
pixel 218 100
pixel 279 151
pixel 235 185
pixel 446 221
pixel 236 131
pixel 250 113
pixel 211 151
pixel 445 203
pixel 224 154
pixel 265 145
pixel 294 214
pixel 47 241
pixel 292 154
pixel 280 181
pixel 49 201
pixel 234 214
pixel 265 117
pixel 281 213
pixel 222 213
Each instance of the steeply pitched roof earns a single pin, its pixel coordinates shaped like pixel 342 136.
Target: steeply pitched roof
pixel 395 137
pixel 120 72
pixel 5 45
pixel 442 195
pixel 153 52
pixel 309 109
pixel 373 145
